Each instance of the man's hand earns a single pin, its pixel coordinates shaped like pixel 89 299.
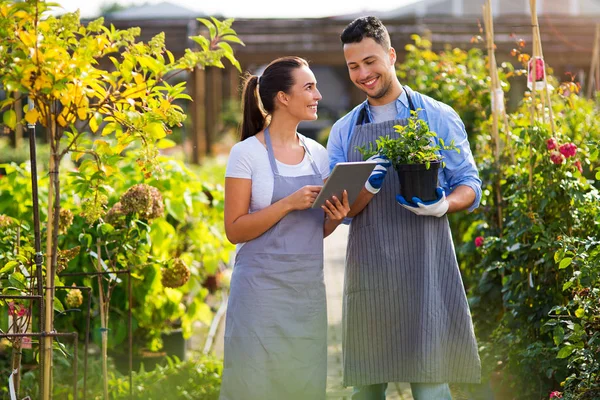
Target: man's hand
pixel 373 184
pixel 435 208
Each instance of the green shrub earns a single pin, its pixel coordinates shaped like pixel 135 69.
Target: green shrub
pixel 198 379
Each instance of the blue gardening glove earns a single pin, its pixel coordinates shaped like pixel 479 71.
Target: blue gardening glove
pixel 435 208
pixel 373 184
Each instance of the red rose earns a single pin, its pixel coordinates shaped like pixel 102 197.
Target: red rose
pixel 479 241
pixel 551 143
pixel 578 166
pixel 568 149
pixel 557 158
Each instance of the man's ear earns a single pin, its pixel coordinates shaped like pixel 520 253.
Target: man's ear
pixel 283 98
pixel 392 55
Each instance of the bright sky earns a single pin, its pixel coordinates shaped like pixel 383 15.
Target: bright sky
pixel 251 9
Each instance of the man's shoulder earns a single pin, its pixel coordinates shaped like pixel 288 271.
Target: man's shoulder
pixel 429 104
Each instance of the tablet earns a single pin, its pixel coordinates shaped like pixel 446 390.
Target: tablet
pixel 350 176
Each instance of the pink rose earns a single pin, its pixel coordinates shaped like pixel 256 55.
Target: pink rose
pixel 578 166
pixel 479 241
pixel 551 143
pixel 568 149
pixel 539 70
pixel 557 158
pixel 556 395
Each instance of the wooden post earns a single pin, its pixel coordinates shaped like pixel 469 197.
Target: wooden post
pixel 232 88
pixel 198 115
pixel 595 66
pixel 497 108
pixel 214 105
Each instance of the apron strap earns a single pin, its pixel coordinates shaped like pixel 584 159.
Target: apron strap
pixel 272 154
pixel 411 105
pixel 310 157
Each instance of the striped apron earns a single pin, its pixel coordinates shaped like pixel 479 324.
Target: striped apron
pixel 276 324
pixel 405 312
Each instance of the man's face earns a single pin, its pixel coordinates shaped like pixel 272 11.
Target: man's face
pixel 371 68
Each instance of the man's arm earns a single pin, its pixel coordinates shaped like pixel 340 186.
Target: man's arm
pixel 364 197
pixel 460 172
pixel 460 199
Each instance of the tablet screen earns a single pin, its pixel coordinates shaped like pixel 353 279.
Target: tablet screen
pixel 349 176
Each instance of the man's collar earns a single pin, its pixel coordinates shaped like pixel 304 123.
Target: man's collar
pixel 402 99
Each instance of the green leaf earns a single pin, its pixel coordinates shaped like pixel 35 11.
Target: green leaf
pixel 233 39
pixel 165 144
pixel 58 306
pixel 580 312
pixel 156 130
pixel 211 28
pixel 558 335
pixel 565 262
pixel 17 280
pixel 567 285
pixel 9 266
pixel 565 351
pixel 10 119
pixel 202 41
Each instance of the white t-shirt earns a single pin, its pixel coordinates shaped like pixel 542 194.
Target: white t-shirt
pixel 249 160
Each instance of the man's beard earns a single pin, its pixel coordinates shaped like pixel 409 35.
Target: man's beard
pixel 381 93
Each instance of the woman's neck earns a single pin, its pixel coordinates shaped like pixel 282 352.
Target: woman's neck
pixel 283 131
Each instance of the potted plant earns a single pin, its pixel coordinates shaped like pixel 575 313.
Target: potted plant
pixel 415 155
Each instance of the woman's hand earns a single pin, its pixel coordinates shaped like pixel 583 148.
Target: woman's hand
pixel 335 210
pixel 303 198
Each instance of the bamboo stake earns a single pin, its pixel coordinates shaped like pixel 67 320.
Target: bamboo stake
pixel 49 300
pixel 546 87
pixel 594 67
pixel 534 54
pixel 488 21
pixel 103 320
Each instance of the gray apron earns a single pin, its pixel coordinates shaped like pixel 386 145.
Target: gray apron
pixel 405 312
pixel 276 324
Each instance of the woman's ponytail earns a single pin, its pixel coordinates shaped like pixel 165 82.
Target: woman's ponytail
pixel 253 118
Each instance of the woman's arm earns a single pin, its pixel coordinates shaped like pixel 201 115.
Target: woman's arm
pixel 241 226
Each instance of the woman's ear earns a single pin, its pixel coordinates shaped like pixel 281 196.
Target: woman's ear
pixel 283 98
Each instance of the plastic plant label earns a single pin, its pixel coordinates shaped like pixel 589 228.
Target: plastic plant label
pixel 498 100
pixel 540 74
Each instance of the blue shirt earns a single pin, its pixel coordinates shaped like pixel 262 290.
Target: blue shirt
pixel 460 168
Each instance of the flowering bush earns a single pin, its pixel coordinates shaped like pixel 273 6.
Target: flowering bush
pixel 527 273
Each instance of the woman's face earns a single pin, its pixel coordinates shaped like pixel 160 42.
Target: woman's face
pixel 304 95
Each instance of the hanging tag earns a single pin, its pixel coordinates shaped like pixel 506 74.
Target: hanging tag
pixel 31 105
pixel 498 100
pixel 11 385
pixel 540 74
pixel 530 280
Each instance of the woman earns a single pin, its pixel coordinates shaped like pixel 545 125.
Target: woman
pixel 276 327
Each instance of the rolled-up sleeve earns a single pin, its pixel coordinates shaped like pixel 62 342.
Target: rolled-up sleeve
pixel 460 168
pixel 337 145
pixel 335 148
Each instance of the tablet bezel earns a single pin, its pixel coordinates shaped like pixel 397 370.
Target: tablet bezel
pixel 350 176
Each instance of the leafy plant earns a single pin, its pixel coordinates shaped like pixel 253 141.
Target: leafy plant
pixel 90 114
pixel 198 379
pixel 413 143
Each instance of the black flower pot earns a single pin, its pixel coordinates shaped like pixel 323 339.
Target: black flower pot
pixel 418 181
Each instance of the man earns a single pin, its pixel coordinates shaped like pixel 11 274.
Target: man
pixel 405 313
